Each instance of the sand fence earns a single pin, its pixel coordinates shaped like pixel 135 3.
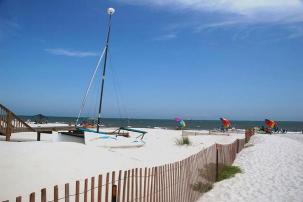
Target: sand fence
pixel 185 180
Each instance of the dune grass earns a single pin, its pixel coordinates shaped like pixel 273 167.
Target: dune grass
pixel 228 172
pixel 202 187
pixel 183 141
pixel 248 145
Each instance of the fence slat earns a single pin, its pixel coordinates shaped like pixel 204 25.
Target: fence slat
pixel 145 185
pixel 151 185
pixel 66 196
pixel 85 189
pixel 128 185
pixel 92 187
pixel 136 185
pixel 32 197
pixel 56 194
pixel 77 196
pixel 99 188
pixel 43 195
pixel 19 199
pixel 140 185
pixel 114 188
pixel 119 186
pixel 107 187
pixel 124 186
pixel 133 184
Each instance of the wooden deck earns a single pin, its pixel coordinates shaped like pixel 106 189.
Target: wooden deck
pixel 11 123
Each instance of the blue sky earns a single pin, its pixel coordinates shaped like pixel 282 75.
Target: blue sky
pixel 195 59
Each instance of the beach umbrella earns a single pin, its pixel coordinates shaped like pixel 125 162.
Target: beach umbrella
pixel 270 123
pixel 225 122
pixel 181 123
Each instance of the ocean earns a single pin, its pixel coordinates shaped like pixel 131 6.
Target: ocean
pixel 171 124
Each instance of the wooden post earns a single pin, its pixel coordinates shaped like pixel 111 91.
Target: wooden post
pixel 38 136
pixel 119 186
pixel 19 199
pixel 217 162
pixel 66 196
pixel 77 196
pixel 99 188
pixel 144 186
pixel 9 128
pixel 92 187
pixel 43 195
pixel 114 193
pixel 140 185
pixel 106 187
pixel 237 145
pixel 133 181
pixel 136 184
pixel 56 195
pixel 124 187
pixel 114 187
pixel 85 189
pixel 32 197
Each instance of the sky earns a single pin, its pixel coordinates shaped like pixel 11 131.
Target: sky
pixel 240 59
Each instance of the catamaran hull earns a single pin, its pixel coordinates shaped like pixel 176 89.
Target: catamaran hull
pixel 111 141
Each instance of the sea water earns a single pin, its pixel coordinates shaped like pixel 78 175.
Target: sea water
pixel 171 124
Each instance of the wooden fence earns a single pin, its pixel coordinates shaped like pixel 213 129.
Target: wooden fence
pixel 180 181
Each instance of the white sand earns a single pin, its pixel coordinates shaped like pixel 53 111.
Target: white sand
pixel 31 165
pixel 273 171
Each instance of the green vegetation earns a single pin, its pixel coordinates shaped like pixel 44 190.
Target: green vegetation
pixel 202 187
pixel 183 141
pixel 228 172
pixel 248 145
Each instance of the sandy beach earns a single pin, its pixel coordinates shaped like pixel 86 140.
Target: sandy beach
pixel 272 171
pixel 271 164
pixel 29 165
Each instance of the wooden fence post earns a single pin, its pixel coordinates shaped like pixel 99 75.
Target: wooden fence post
pixel 43 195
pixel 237 145
pixel 77 196
pixel 19 199
pixel 66 195
pixel 106 187
pixel 85 189
pixel 99 188
pixel 114 187
pixel 114 193
pixel 56 195
pixel 217 162
pixel 92 191
pixel 32 197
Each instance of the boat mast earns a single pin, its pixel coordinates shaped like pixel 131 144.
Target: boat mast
pixel 110 12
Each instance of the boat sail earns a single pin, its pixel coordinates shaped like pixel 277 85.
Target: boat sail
pixel 116 138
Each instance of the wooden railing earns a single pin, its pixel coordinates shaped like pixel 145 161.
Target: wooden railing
pixel 10 123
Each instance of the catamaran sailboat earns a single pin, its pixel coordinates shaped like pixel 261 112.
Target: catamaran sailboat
pixel 119 138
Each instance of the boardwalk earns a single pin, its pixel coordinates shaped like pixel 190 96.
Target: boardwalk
pixel 11 123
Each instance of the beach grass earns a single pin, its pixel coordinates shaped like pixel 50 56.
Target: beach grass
pixel 183 141
pixel 202 187
pixel 228 172
pixel 248 145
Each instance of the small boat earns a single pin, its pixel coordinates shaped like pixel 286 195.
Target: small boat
pixel 110 141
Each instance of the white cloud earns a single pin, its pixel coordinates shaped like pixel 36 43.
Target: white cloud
pixel 276 11
pixel 166 37
pixel 70 53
